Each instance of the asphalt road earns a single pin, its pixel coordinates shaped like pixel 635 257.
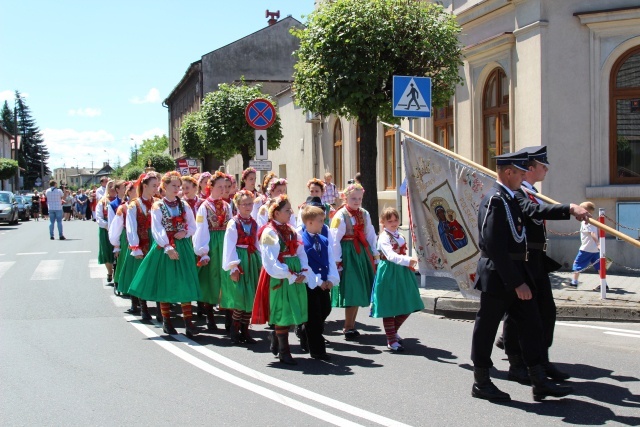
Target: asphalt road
pixel 70 355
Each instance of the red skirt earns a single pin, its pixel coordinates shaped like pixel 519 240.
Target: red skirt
pixel 261 309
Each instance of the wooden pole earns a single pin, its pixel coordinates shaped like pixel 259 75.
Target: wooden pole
pixel 494 175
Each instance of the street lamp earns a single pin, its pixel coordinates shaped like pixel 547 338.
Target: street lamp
pixel 91 155
pixel 107 155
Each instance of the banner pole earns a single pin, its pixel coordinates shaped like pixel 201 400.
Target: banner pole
pixel 603 259
pixel 493 174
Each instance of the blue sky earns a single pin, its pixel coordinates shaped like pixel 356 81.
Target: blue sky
pixel 95 73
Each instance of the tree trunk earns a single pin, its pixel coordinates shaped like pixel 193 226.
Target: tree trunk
pixel 244 151
pixel 368 163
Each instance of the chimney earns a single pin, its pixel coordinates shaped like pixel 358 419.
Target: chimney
pixel 104 164
pixel 273 17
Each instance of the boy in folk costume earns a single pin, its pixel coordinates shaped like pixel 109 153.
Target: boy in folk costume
pixel 354 248
pixel 281 298
pixel 211 223
pixel 262 198
pixel 241 260
pixel 395 290
pixel 118 234
pixel 138 229
pixel 316 189
pixel 323 278
pixel 105 250
pixel 248 181
pixel 168 273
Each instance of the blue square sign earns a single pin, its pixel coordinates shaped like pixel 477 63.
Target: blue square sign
pixel 411 96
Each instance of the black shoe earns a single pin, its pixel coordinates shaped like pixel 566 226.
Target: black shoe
pixel 109 278
pixel 145 315
pixel 191 330
pixel 324 356
pixel 228 320
pixel 351 335
pixel 211 325
pixel 236 337
pixel 51 238
pixel 133 310
pixel 304 342
pixel 168 328
pixel 244 332
pixel 284 352
pixel 158 315
pixel 554 373
pixel 483 388
pixel 500 342
pixel 62 238
pixel 542 387
pixel 518 370
pixel 274 343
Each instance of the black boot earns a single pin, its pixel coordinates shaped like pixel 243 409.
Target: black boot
pixel 236 337
pixel 135 307
pixel 518 370
pixel 228 320
pixel 304 342
pixel 244 331
pixel 190 329
pixel 200 309
pixel 158 312
pixel 284 352
pixel 274 343
pixel 167 327
pixel 211 321
pixel 483 388
pixel 554 373
pixel 145 313
pixel 542 387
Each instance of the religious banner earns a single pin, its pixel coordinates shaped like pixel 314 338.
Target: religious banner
pixel 444 197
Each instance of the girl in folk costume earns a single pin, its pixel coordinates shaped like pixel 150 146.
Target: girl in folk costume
pixel 230 189
pixel 281 298
pixel 277 187
pixel 316 189
pixel 117 234
pixel 190 193
pixel 395 291
pixel 240 258
pixel 354 250
pixel 203 185
pixel 168 272
pixel 211 223
pixel 120 188
pixel 105 250
pixel 248 181
pixel 138 229
pixel 262 198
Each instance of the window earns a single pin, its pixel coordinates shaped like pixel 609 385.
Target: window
pixel 282 171
pixel 443 126
pixel 390 160
pixel 495 117
pixel 337 154
pixel 357 147
pixel 624 120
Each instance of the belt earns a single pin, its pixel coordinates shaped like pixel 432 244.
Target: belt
pixel 522 256
pixel 537 246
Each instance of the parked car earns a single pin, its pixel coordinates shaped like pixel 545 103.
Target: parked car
pixel 8 207
pixel 24 208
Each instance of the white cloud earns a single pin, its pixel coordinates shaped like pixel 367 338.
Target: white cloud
pixel 152 96
pixel 138 138
pixel 9 95
pixel 73 148
pixel 86 112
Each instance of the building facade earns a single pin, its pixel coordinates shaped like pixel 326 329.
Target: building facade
pixel 6 153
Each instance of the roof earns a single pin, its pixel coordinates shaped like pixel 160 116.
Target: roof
pixel 187 75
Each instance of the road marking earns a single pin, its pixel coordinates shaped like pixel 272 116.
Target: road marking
pixel 31 253
pixel 120 302
pixel 603 328
pixel 5 266
pixel 621 334
pixel 96 271
pixel 265 392
pixel 48 269
pixel 74 252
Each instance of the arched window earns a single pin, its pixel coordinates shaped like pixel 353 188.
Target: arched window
pixel 495 117
pixel 390 159
pixel 443 126
pixel 624 119
pixel 337 154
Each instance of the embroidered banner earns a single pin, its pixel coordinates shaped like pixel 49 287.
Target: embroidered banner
pixel 444 198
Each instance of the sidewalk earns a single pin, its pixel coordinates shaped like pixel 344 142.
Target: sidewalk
pixel 441 296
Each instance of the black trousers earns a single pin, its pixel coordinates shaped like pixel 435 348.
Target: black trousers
pixel 546 307
pixel 526 318
pixel 319 303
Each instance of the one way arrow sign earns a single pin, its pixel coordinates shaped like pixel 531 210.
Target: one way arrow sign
pixel 261 144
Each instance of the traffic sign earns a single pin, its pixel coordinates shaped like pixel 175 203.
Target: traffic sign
pixel 38 182
pixel 261 165
pixel 260 113
pixel 261 144
pixel 411 96
pixel 187 167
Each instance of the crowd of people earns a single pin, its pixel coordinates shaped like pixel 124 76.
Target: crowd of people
pixel 236 251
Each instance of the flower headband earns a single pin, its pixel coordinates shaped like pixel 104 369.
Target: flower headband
pixel 246 173
pixel 274 183
pixel 277 203
pixel 240 195
pixel 171 175
pixel 351 188
pixel 216 176
pixel 316 181
pixel 204 176
pixel 230 178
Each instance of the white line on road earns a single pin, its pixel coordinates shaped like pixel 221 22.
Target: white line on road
pixel 74 252
pixel 96 271
pixel 5 266
pixel 31 253
pixel 622 334
pixel 48 269
pixel 333 403
pixel 120 302
pixel 269 394
pixel 603 328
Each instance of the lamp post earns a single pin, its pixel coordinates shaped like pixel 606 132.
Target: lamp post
pixel 91 155
pixel 107 155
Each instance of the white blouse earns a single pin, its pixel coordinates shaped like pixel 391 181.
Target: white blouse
pixel 100 219
pixel 202 236
pixel 158 231
pixel 270 249
pixel 230 258
pixel 115 230
pixel 338 230
pixel 385 246
pixel 263 217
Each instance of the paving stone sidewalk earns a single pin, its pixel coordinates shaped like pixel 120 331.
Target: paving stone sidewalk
pixel 441 296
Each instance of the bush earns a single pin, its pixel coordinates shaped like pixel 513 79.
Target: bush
pixel 160 162
pixel 8 168
pixel 132 173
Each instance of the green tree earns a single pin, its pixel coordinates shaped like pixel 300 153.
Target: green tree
pixel 160 162
pixel 8 169
pixel 351 49
pixel 131 173
pixel 220 129
pixel 33 152
pixel 157 144
pixel 7 119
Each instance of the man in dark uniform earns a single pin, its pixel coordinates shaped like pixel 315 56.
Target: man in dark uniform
pixel 536 212
pixel 506 285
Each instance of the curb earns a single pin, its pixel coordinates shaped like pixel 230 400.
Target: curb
pixel 460 308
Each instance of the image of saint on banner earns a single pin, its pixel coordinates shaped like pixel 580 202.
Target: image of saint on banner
pixel 411 96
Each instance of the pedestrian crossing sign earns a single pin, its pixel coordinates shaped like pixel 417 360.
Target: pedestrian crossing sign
pixel 411 96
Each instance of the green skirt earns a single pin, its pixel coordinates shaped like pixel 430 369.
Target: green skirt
pixel 395 291
pixel 129 268
pixel 356 278
pixel 240 295
pixel 210 275
pixel 105 248
pixel 162 279
pixel 288 303
pixel 124 252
